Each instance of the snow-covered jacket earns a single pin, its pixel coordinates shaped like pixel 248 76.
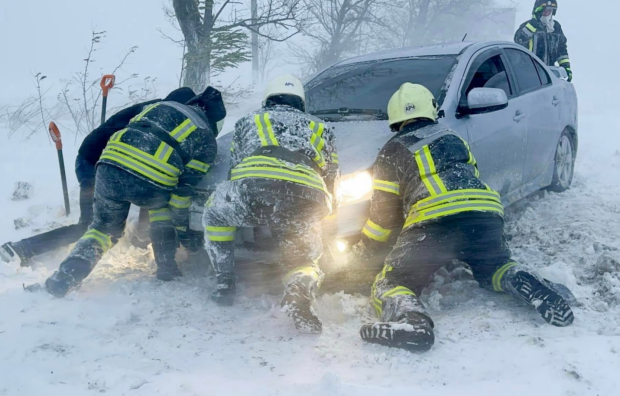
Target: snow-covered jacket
pixel 281 143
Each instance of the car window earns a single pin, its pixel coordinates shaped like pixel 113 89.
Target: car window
pixel 523 65
pixel 491 74
pixel 542 73
pixel 370 85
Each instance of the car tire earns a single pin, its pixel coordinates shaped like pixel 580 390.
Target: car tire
pixel 563 164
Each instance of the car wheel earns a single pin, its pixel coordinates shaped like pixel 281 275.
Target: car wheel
pixel 564 164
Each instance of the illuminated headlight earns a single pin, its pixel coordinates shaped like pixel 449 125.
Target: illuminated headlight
pixel 355 187
pixel 342 246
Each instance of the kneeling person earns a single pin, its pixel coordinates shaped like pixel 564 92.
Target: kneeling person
pixel 153 163
pixel 283 172
pixel 426 178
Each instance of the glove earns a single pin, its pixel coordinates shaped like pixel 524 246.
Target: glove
pixel 190 239
pixel 570 73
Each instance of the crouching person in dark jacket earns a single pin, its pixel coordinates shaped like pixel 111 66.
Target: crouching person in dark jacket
pixel 153 163
pixel 88 155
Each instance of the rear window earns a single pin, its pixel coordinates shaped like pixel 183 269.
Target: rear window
pixel 370 85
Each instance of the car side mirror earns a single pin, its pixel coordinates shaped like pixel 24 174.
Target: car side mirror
pixel 486 100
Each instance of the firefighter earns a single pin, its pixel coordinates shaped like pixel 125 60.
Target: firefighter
pixel 426 187
pixel 284 170
pixel 153 163
pixel 88 155
pixel 543 35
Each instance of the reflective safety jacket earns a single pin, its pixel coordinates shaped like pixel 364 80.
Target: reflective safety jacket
pixel 168 144
pixel 549 47
pixel 281 143
pixel 426 172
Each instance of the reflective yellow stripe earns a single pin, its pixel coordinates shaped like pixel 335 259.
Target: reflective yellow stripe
pixel 118 135
pixel 261 132
pixel 146 110
pixel 198 165
pixel 376 302
pixel 383 185
pixel 252 162
pixel 220 234
pixel 457 195
pixel 318 143
pixel 376 232
pixel 104 240
pixel 160 215
pixel 563 61
pixel 272 137
pixel 398 291
pixel 530 27
pixel 140 168
pixel 179 202
pixel 309 270
pixel 499 274
pixel 428 172
pixel 163 152
pixel 144 157
pixel 181 132
pixel 335 158
pixel 531 45
pixel 279 174
pixel 453 208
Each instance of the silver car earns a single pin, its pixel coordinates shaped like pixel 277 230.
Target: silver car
pixel 518 115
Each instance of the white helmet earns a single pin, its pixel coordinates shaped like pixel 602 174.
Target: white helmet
pixel 285 85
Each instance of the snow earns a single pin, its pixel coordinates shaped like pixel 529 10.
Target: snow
pixel 124 333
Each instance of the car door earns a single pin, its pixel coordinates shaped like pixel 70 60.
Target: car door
pixel 542 114
pixel 497 139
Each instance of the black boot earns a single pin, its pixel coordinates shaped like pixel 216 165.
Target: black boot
pixel 69 277
pixel 413 332
pixel 297 303
pixel 14 251
pixel 536 291
pixel 225 289
pixel 168 271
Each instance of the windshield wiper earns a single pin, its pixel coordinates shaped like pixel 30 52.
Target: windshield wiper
pixel 345 111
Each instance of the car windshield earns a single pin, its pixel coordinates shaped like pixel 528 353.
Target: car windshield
pixel 362 90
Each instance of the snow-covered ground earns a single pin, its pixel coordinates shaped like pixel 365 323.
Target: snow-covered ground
pixel 125 333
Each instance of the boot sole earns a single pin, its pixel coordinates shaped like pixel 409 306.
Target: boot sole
pixel 551 306
pixel 399 335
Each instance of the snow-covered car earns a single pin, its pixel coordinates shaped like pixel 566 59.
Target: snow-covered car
pixel 518 115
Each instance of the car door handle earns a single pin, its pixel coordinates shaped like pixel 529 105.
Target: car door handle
pixel 519 116
pixel 555 101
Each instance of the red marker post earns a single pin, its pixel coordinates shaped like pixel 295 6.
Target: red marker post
pixel 55 134
pixel 107 83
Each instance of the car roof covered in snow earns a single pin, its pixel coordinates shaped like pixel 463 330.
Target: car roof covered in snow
pixel 455 48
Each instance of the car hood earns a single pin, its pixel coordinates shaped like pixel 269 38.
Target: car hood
pixel 358 144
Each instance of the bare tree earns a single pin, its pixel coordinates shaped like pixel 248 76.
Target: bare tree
pixel 268 53
pixel 215 33
pixel 334 27
pixel 83 107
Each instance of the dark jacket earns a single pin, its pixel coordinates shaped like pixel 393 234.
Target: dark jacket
pixel 425 173
pixel 94 143
pixel 549 47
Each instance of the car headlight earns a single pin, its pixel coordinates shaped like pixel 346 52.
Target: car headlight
pixel 355 187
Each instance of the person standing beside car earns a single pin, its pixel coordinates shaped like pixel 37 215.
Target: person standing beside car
pixel 426 184
pixel 284 175
pixel 543 36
